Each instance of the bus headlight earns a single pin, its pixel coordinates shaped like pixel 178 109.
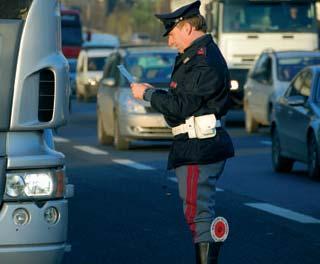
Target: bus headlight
pixel 15 185
pixel 36 184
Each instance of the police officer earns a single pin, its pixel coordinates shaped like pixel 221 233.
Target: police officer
pixel 193 106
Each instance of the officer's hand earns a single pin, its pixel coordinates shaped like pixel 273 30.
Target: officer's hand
pixel 138 89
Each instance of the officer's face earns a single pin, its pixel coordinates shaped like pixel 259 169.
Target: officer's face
pixel 176 39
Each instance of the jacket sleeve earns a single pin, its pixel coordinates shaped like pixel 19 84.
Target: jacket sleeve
pixel 202 85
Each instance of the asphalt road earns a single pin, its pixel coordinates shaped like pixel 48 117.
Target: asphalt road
pixel 126 207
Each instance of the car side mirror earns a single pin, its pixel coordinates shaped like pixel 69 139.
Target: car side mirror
pixel 109 82
pixel 296 100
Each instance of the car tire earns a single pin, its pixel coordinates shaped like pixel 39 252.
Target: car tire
pixel 250 123
pixel 119 142
pixel 279 163
pixel 313 158
pixel 102 136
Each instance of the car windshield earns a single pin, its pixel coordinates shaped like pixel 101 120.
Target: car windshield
pixel 289 67
pixel 269 17
pixel 96 63
pixel 151 67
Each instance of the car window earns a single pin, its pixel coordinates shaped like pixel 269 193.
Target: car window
pixel 301 85
pixel 306 85
pixel 258 65
pixel 263 69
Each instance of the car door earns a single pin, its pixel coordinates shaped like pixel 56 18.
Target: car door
pixel 294 116
pixel 263 90
pixel 301 117
pixel 106 94
pixel 256 89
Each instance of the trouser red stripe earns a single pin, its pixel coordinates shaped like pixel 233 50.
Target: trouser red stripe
pixel 191 197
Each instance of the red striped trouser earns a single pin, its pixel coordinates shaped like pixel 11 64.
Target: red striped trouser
pixel 197 188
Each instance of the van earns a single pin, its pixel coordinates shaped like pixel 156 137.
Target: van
pixel 89 71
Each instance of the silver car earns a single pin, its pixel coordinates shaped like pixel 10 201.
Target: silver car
pixel 268 79
pixel 120 117
pixel 295 129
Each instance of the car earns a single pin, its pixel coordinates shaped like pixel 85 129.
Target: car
pixel 120 117
pixel 295 129
pixel 268 79
pixel 89 71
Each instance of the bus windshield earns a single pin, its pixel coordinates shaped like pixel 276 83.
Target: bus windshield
pixel 269 17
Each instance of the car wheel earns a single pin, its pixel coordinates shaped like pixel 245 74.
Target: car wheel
pixel 313 158
pixel 119 142
pixel 102 136
pixel 251 124
pixel 279 163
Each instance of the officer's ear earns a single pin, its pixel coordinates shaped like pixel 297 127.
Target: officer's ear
pixel 187 28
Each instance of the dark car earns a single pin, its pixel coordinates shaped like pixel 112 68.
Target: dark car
pixel 295 127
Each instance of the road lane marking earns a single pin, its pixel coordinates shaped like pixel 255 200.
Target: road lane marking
pixel 266 142
pixel 174 179
pixel 133 164
pixel 61 140
pixel 301 218
pixel 91 150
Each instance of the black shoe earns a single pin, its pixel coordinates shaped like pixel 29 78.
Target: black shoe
pixel 207 253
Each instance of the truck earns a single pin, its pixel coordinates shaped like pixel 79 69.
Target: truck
pixel 34 89
pixel 244 28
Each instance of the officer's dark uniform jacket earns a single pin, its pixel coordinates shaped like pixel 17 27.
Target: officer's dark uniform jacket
pixel 200 85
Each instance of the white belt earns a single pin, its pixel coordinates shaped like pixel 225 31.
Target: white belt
pixel 198 127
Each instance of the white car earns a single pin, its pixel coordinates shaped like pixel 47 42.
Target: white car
pixel 89 71
pixel 268 79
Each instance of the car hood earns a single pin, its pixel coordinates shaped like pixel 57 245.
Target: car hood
pixel 95 75
pixel 125 94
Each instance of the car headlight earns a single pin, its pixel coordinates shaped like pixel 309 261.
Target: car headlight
pixel 92 82
pixel 234 85
pixel 131 105
pixel 35 184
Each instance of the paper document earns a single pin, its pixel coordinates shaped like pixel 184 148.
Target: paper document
pixel 126 74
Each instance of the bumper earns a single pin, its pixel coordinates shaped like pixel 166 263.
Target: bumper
pixel 37 241
pixel 144 126
pixel 49 254
pixel 90 90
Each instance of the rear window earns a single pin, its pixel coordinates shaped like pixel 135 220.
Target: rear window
pixel 14 9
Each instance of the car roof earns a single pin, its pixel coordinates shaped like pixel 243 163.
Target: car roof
pixel 98 52
pixel 145 49
pixel 295 53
